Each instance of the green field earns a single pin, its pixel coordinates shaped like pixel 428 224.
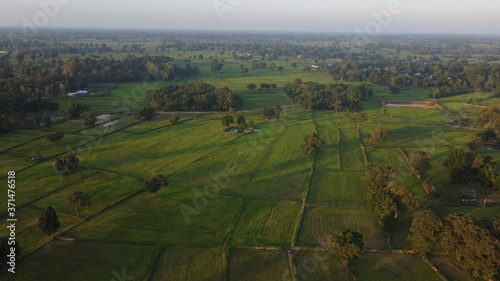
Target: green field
pixel 393 267
pixel 320 266
pixel 320 222
pixel 107 261
pixel 258 265
pixel 232 209
pixel 190 264
pixel 266 223
pixel 342 188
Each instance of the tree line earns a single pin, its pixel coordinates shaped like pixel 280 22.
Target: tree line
pixel 193 97
pixel 338 97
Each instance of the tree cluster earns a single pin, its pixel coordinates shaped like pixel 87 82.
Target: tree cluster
pixel 387 198
pixel 378 136
pixel 471 244
pixel 465 166
pixel 193 97
pixel 270 112
pixel 338 97
pixel 312 143
pixel 154 182
pixel 69 164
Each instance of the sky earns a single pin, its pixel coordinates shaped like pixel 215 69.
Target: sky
pixel 367 16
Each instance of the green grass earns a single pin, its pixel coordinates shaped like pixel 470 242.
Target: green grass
pixel 39 180
pixel 351 153
pixel 388 157
pixel 254 100
pixel 98 186
pixel 49 149
pixel 284 174
pixel 254 265
pixel 418 114
pixel 20 136
pixel 320 222
pixel 338 188
pixel 85 261
pixel 191 264
pixel 392 267
pixel 27 233
pixel 480 213
pixel 450 270
pixel 163 219
pixel 14 163
pixel 320 266
pixel 266 223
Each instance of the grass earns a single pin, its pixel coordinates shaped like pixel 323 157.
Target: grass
pixel 186 219
pixel 339 188
pixel 320 222
pixel 284 174
pixel 388 157
pixel 226 190
pixel 266 223
pixel 351 153
pixel 38 181
pixel 419 114
pixel 392 267
pixel 450 270
pixel 320 266
pixel 191 264
pixel 478 212
pixel 98 187
pixel 27 233
pixel 258 265
pixel 96 261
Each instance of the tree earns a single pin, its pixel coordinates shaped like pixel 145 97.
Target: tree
pixel 425 229
pixel 359 119
pixel 378 136
pixel 77 200
pixel 244 71
pixel 457 164
pixel 405 199
pixel 251 86
pixel 242 124
pixel 46 121
pixel 5 249
pixel 68 164
pixel 227 120
pixel 89 118
pixel 378 177
pixel 383 204
pixel 312 143
pixel 48 222
pixel 394 89
pixel 75 109
pixel 147 112
pixel 54 136
pixel 470 245
pixel 420 161
pixel 487 137
pixel 153 183
pixel 174 119
pixel 347 245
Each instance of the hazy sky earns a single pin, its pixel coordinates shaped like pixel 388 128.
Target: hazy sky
pixel 415 16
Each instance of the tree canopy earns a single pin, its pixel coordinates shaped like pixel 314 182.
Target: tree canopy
pixel 48 222
pixel 77 200
pixel 193 97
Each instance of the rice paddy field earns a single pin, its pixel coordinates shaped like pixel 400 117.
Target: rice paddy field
pixel 237 207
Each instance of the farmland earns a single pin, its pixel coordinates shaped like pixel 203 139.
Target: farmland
pixel 237 206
